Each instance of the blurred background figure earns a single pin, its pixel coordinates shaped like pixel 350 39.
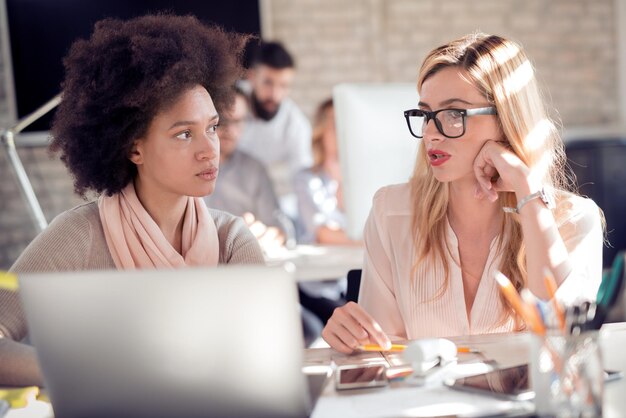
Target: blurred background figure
pixel 244 187
pixel 322 218
pixel 277 133
pixel 318 188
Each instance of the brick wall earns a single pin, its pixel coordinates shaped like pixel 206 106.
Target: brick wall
pixel 573 44
pixel 53 187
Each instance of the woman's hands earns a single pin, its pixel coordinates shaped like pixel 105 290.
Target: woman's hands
pixel 498 169
pixel 350 327
pixel 270 238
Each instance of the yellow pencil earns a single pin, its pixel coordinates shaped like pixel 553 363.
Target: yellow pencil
pixel 401 347
pixel 376 347
pixel 517 303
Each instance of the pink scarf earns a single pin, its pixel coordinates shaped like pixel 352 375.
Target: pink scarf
pixel 136 242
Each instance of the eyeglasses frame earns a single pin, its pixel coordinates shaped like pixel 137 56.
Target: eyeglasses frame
pixel 490 110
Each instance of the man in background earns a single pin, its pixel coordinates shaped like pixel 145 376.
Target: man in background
pixel 277 133
pixel 244 187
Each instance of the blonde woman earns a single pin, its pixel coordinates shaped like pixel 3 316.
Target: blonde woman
pixel 487 193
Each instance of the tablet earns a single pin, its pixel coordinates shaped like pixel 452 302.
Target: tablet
pixel 510 383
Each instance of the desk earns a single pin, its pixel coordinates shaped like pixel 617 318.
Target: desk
pixel 506 349
pixel 319 262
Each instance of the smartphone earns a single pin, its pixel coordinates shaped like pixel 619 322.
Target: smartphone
pixel 361 376
pixel 510 383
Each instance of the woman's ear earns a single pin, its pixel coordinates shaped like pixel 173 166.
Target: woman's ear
pixel 136 152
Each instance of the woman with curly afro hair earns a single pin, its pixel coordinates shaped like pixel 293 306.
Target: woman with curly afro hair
pixel 137 125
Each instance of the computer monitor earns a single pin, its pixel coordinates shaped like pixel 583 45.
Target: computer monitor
pixel 37 34
pixel 375 146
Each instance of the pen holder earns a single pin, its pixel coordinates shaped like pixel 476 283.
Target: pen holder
pixel 567 374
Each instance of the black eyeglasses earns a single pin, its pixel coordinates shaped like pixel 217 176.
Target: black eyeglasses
pixel 225 123
pixel 449 122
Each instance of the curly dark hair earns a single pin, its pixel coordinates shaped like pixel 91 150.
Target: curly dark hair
pixel 118 80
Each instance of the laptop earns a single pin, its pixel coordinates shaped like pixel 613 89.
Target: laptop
pixel 220 342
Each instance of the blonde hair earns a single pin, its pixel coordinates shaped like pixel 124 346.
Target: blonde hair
pixel 319 128
pixel 500 70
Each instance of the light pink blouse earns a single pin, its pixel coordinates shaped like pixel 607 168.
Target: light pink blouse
pixel 408 309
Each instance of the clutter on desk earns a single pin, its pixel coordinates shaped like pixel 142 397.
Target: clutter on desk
pixel 565 357
pixel 19 397
pixel 419 360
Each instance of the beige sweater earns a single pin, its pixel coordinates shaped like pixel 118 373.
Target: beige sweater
pixel 75 241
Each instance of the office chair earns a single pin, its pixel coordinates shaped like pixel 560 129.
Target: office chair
pixel 599 168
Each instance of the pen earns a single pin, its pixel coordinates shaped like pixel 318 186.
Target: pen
pixel 517 303
pixel 401 347
pixel 550 284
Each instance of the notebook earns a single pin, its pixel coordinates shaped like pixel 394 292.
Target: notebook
pixel 221 342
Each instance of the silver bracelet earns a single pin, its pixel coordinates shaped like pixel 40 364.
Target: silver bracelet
pixel 541 194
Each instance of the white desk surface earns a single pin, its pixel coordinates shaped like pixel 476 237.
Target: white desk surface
pixel 319 262
pixel 506 349
pixel 402 400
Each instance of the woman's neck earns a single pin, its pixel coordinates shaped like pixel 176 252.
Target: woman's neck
pixel 166 209
pixel 469 214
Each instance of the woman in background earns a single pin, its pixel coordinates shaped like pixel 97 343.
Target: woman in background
pixel 137 125
pixel 322 217
pixel 320 199
pixel 488 193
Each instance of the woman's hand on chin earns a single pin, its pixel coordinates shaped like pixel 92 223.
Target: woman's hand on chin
pixel 498 169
